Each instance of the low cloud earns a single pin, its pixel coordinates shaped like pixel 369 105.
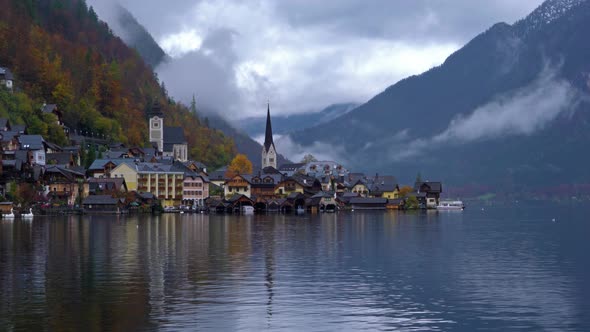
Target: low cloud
pixel 522 113
pixel 321 151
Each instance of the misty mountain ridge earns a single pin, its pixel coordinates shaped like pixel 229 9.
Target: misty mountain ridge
pixel 508 109
pixel 135 35
pixel 284 124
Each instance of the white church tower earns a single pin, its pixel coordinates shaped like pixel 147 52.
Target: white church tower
pixel 156 118
pixel 269 152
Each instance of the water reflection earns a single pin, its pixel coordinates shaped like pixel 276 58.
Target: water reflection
pixel 371 271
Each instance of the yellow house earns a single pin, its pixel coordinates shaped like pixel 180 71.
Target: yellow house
pixel 128 172
pixel 163 181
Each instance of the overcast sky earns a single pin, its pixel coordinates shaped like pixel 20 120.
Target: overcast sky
pixel 304 55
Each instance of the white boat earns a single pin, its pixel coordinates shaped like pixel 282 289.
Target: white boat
pixel 450 205
pixel 247 209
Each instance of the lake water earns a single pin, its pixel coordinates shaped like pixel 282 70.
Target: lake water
pixel 497 269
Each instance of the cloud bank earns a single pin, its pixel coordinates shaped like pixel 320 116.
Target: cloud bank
pixel 304 55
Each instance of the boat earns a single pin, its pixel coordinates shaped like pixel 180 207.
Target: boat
pixel 247 209
pixel 451 205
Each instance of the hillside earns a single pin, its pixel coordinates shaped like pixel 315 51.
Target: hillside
pixel 284 124
pixel 60 52
pixel 509 109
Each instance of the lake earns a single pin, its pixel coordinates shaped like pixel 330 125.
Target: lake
pixel 496 268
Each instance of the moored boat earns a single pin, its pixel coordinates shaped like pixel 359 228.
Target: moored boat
pixel 450 205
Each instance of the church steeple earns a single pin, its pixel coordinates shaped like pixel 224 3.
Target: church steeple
pixel 268 136
pixel 269 153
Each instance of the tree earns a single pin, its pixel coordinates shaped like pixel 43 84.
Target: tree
pixel 412 203
pixel 308 158
pixel 404 191
pixel 239 165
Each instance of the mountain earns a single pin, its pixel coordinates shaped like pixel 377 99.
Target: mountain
pixel 509 110
pixel 61 53
pixel 135 35
pixel 244 143
pixel 284 124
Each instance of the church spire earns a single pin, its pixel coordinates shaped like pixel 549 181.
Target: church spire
pixel 268 136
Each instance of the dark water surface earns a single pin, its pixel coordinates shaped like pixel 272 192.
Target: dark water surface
pixel 500 269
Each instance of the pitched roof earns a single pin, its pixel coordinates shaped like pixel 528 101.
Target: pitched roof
pixel 106 183
pixel 8 135
pixel 174 135
pixel 31 142
pixel 434 187
pixel 4 122
pixel 268 141
pixel 6 73
pixel 60 158
pixel 100 200
pixel 99 164
pixel 291 167
pixel 18 128
pixel 49 108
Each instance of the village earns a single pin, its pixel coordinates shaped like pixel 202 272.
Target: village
pixel 42 178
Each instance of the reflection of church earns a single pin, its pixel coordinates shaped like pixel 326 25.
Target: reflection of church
pixel 269 152
pixel 170 141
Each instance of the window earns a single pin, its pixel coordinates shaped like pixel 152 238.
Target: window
pixel 271 160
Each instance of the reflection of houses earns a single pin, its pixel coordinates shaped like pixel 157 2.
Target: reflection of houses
pixel 364 203
pixel 431 192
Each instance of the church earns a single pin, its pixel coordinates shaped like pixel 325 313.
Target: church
pixel 269 152
pixel 170 141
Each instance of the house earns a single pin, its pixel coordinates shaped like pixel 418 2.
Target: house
pixel 385 190
pixel 366 203
pixel 432 191
pixel 359 187
pixel 299 183
pixel 325 168
pixel 101 204
pixel 239 184
pixel 127 171
pixel 111 186
pixel 35 144
pixel 52 109
pixel 165 181
pixel 323 201
pixel 5 124
pixel 9 140
pixel 196 189
pixel 65 159
pixel 6 78
pixel 218 177
pixel 64 184
pixel 263 185
pixel 104 167
pixel 291 169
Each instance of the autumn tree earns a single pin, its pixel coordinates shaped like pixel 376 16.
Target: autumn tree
pixel 239 165
pixel 404 191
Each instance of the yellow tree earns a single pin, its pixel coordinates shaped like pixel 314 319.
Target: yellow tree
pixel 239 165
pixel 404 191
